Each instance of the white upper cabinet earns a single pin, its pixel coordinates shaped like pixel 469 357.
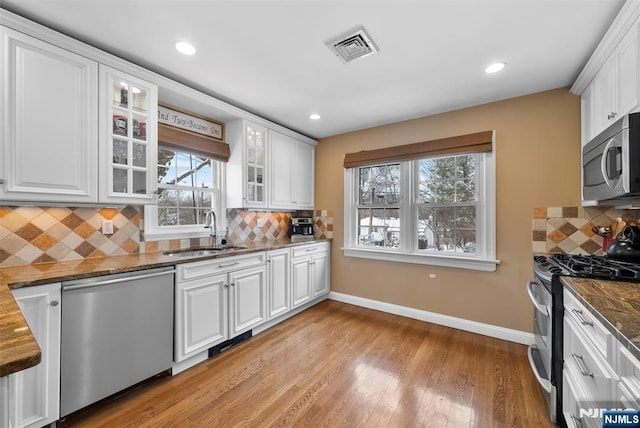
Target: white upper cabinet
pixel 268 169
pixel 615 89
pixel 128 138
pixel 49 119
pixel 291 183
pixel 247 166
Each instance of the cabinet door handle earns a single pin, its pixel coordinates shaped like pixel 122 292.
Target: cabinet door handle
pixel 54 303
pixel 311 249
pixel 229 265
pixel 1 180
pixel 583 369
pixel 583 321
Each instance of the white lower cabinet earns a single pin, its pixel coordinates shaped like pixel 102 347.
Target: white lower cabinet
pixel 201 315
pixel 589 374
pixel 309 272
pixel 33 395
pixel 217 300
pixel 247 299
pixel 4 403
pixel 278 282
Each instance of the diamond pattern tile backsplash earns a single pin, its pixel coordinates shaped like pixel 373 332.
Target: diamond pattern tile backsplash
pixel 31 235
pixel 570 229
pixel 44 234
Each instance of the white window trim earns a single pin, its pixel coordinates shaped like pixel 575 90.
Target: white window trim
pixel 153 232
pixel 483 260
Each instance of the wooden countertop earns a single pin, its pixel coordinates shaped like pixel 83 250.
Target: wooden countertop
pixel 19 349
pixel 615 303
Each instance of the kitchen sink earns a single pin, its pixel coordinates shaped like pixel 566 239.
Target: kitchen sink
pixel 203 251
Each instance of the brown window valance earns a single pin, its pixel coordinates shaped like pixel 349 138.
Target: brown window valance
pixel 470 143
pixel 176 137
pixel 199 144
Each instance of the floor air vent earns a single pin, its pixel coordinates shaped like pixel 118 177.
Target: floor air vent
pixel 353 45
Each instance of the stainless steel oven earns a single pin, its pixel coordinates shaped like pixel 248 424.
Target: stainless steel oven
pixel 541 351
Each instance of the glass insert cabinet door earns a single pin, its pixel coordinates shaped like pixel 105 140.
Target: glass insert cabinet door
pixel 255 165
pixel 129 137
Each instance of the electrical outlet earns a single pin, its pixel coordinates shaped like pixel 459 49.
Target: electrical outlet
pixel 260 222
pixel 107 227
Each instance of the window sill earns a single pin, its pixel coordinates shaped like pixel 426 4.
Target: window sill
pixel 486 265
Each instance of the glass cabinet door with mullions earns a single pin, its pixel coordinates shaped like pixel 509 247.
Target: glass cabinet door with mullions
pixel 129 139
pixel 255 164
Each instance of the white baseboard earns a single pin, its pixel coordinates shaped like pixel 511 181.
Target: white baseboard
pixel 432 317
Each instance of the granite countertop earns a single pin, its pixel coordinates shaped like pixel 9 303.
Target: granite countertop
pixel 615 303
pixel 19 349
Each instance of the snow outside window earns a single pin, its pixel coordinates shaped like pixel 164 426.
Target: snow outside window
pixel 438 210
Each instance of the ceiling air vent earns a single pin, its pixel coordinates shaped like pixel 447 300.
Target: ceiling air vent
pixel 353 45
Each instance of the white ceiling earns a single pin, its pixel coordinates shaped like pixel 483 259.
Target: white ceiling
pixel 269 57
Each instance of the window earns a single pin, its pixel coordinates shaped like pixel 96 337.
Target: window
pixel 437 210
pixel 189 186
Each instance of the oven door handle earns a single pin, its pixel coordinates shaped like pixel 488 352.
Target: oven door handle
pixel 545 383
pixel 539 306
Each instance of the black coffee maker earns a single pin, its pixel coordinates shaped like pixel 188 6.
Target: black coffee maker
pixel 301 227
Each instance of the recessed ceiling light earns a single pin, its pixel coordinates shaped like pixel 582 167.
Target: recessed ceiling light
pixel 185 48
pixel 495 67
pixel 314 116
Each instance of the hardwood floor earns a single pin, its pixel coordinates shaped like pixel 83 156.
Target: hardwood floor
pixel 337 365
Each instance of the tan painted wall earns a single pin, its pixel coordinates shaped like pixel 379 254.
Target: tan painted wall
pixel 537 165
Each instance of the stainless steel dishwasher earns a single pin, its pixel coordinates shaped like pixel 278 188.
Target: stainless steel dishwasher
pixel 117 330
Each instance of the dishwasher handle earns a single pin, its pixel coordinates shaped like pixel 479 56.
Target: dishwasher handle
pixel 98 283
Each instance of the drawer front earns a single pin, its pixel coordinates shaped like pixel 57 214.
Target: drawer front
pixel 629 384
pixel 189 271
pixel 309 250
pixel 578 413
pixel 586 365
pixel 587 323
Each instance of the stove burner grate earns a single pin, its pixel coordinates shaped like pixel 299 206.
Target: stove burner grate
pixel 598 267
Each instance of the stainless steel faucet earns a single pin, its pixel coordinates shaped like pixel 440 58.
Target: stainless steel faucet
pixel 210 223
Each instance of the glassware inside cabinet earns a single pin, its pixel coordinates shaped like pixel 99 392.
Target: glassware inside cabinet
pixel 120 152
pixel 120 94
pixel 139 96
pixel 139 126
pixel 139 155
pixel 120 181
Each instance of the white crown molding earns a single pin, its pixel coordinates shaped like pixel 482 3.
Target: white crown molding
pixel 434 318
pixel 628 16
pixel 227 111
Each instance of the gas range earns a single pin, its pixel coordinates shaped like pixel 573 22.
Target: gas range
pixel 598 267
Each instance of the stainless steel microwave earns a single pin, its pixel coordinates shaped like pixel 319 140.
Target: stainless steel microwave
pixel 611 162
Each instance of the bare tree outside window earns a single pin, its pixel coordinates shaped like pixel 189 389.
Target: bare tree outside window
pixel 186 189
pixel 447 204
pixel 378 205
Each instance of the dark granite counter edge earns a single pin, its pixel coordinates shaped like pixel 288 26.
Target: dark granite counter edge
pixel 18 348
pixel 624 340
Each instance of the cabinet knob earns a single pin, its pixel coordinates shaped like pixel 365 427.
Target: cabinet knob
pixel 233 284
pixel 1 180
pixel 226 286
pixel 54 303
